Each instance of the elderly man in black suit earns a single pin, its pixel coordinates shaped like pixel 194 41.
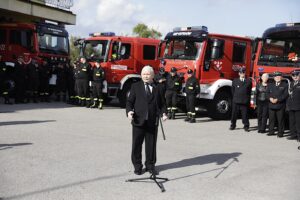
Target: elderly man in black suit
pixel 145 104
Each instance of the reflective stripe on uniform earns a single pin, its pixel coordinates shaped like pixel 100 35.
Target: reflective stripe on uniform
pixel 100 100
pixel 176 83
pixel 193 113
pixel 191 87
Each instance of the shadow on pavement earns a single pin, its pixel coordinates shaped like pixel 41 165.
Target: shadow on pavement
pixel 219 159
pixel 9 146
pixel 24 122
pixel 47 190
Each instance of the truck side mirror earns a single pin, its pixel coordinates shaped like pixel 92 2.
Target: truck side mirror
pixel 216 49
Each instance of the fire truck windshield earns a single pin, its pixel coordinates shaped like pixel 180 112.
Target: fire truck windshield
pixel 280 52
pixel 183 49
pixel 53 44
pixel 95 50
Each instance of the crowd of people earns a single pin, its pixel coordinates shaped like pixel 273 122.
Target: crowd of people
pixel 80 84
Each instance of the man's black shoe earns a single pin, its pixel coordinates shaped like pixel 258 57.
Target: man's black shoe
pixel 232 128
pixel 246 129
pixel 152 171
pixel 270 134
pixel 292 137
pixel 138 171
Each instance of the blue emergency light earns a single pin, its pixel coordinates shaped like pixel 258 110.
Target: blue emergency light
pixel 191 28
pixel 287 24
pixel 108 34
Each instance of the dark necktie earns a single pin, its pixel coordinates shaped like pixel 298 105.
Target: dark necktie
pixel 148 91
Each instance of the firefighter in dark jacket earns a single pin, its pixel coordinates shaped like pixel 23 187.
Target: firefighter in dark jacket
pixel 61 85
pixel 4 81
pixel 277 93
pixel 20 79
pixel 160 80
pixel 241 91
pixel 45 73
pixel 293 104
pixel 192 89
pixel 70 83
pixel 83 77
pixel 173 86
pixel 261 102
pixel 98 78
pixel 34 80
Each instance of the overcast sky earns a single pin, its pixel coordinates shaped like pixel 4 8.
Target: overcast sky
pixel 234 17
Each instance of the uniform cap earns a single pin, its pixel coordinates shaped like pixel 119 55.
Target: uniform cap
pixel 161 70
pixel 242 70
pixel 173 69
pixel 295 72
pixel 189 71
pixel 277 73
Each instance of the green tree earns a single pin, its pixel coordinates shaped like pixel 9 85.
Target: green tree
pixel 74 50
pixel 142 30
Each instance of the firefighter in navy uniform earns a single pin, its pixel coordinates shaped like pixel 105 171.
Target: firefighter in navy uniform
pixel 192 89
pixel 98 78
pixel 241 91
pixel 20 78
pixel 70 83
pixel 160 80
pixel 4 78
pixel 44 81
pixel 34 80
pixel 293 104
pixel 173 86
pixel 83 77
pixel 277 94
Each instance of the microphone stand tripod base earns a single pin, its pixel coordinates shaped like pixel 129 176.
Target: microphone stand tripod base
pixel 152 177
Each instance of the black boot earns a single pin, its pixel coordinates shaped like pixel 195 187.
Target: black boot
pixel 88 103
pixel 173 114
pixel 187 119
pixel 193 120
pixel 169 115
pixel 82 102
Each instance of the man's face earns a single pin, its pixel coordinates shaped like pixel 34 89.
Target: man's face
pixel 173 73
pixel 242 74
pixel 189 75
pixel 278 78
pixel 82 60
pixel 296 77
pixel 147 76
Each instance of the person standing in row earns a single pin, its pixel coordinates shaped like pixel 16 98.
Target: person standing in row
pixel 98 78
pixel 277 93
pixel 70 76
pixel 293 104
pixel 262 103
pixel 34 80
pixel 20 78
pixel 160 80
pixel 241 90
pixel 173 86
pixel 83 76
pixel 192 89
pixel 45 73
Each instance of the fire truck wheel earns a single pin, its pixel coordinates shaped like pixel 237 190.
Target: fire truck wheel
pixel 123 95
pixel 220 106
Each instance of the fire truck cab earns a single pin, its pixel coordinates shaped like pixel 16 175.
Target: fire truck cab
pixel 122 59
pixel 277 50
pixel 215 60
pixel 42 41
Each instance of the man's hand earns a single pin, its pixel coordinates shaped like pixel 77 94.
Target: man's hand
pixel 164 117
pixel 130 115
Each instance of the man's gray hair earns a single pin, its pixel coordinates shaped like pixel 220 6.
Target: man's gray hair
pixel 265 75
pixel 149 69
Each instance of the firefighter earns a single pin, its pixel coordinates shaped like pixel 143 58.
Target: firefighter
pixel 34 80
pixel 70 83
pixel 20 79
pixel 277 94
pixel 173 86
pixel 293 104
pixel 98 78
pixel 192 89
pixel 241 90
pixel 4 81
pixel 76 72
pixel 44 81
pixel 160 80
pixel 83 76
pixel 262 103
pixel 61 83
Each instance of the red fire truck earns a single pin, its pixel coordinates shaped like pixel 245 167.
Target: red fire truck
pixel 41 41
pixel 215 60
pixel 277 50
pixel 122 59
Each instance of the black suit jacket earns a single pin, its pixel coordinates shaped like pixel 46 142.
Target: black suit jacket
pixel 241 91
pixel 277 92
pixel 293 101
pixel 138 102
